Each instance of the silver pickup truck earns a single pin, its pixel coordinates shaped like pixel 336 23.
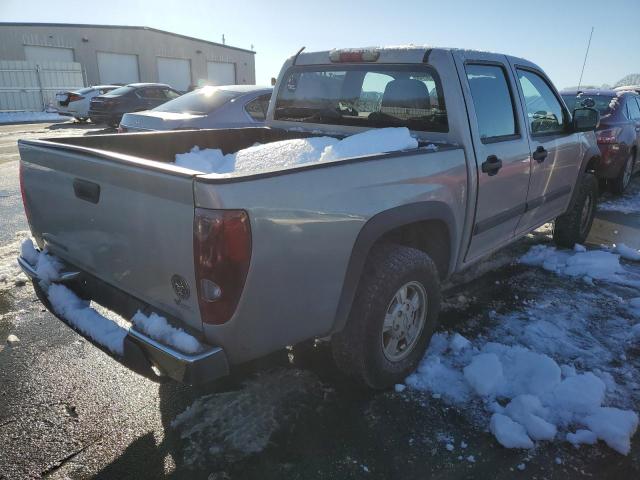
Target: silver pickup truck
pixel 355 249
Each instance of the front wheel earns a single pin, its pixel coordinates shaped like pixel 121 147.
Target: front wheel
pixel 574 226
pixel 392 319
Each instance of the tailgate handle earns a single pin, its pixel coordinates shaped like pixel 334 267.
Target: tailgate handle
pixel 87 191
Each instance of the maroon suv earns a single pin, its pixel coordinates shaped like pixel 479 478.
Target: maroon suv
pixel 618 134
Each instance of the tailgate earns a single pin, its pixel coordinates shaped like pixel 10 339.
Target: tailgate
pixel 127 221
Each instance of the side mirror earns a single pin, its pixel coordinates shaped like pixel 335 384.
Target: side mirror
pixel 585 119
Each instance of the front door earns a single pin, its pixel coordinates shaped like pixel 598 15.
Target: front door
pixel 556 152
pixel 501 149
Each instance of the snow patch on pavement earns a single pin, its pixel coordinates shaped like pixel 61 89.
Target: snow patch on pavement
pixel 554 368
pixel 586 264
pixel 10 272
pixel 288 153
pixel 19 117
pixel 629 202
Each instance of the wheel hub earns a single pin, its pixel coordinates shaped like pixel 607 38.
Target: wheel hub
pixel 404 321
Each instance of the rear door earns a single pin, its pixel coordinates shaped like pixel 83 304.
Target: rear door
pixel 127 223
pixel 501 150
pixel 556 151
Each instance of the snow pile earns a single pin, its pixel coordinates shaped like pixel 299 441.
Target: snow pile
pixel 10 272
pixel 20 117
pixel 527 393
pixel 85 319
pixel 626 252
pixel 589 265
pixel 288 153
pixel 159 329
pixel 108 332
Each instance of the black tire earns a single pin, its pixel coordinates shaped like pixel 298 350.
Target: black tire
pixel 619 184
pixel 358 349
pixel 573 226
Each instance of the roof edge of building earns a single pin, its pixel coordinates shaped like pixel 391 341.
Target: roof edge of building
pixel 134 27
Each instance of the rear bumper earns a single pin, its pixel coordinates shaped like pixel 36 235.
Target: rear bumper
pixel 142 354
pixel 104 117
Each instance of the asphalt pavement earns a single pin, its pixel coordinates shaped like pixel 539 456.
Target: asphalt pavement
pixel 69 411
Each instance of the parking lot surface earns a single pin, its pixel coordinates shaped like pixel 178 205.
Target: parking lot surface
pixel 69 411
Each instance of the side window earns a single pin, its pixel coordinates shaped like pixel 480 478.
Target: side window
pixel 170 94
pixel 492 102
pixel 634 111
pixel 255 108
pixel 543 108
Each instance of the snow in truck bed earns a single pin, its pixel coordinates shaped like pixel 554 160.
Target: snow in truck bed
pixel 289 153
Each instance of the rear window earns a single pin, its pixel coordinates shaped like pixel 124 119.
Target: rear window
pixel 364 96
pixel 201 101
pixel 120 91
pixel 605 104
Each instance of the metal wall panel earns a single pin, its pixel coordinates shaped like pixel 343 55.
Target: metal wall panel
pixel 33 86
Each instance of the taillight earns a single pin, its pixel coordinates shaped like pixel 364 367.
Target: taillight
pixel 222 252
pixel 354 55
pixel 609 135
pixel 73 97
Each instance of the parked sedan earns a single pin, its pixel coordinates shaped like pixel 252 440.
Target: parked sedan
pixel 110 108
pixel 208 107
pixel 75 103
pixel 618 134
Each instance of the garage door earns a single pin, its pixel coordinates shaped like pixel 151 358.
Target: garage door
pixel 175 72
pixel 221 73
pixel 117 68
pixel 48 54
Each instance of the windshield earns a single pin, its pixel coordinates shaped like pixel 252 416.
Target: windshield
pixel 201 101
pixel 119 91
pixel 603 103
pixel 363 95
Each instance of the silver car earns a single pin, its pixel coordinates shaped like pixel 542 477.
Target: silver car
pixel 227 106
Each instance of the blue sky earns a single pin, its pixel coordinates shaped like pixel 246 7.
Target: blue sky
pixel 552 34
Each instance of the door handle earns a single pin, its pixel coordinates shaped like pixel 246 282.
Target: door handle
pixel 87 191
pixel 492 165
pixel 540 154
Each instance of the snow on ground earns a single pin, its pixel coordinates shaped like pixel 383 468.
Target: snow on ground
pixel 19 117
pixel 108 331
pixel 10 273
pixel 288 153
pixel 629 202
pixel 556 367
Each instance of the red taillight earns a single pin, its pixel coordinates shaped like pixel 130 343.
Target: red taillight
pixel 73 97
pixel 354 55
pixel 222 252
pixel 609 135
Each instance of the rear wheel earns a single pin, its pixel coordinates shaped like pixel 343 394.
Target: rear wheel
pixel 621 182
pixel 574 226
pixel 392 318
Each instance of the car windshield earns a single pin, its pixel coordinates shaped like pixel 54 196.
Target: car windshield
pixel 370 95
pixel 603 103
pixel 199 102
pixel 119 91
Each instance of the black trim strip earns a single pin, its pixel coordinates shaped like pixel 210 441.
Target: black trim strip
pixel 536 202
pixel 507 215
pixel 496 220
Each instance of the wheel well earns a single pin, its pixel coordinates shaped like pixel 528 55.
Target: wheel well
pixel 592 163
pixel 429 236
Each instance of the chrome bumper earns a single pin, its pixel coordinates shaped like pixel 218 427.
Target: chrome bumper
pixel 142 353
